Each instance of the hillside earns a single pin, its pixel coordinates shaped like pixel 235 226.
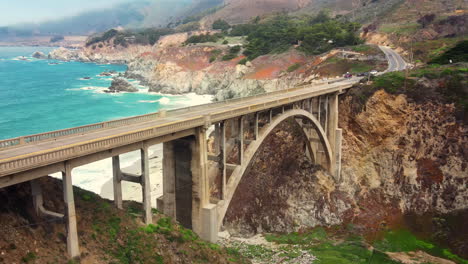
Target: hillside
pixel 133 14
pixel 107 235
pixel 242 11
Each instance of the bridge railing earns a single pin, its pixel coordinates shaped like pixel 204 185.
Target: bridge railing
pixel 121 122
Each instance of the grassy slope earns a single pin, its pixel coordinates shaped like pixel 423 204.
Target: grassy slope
pixel 106 235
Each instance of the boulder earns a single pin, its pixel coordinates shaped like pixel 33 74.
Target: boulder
pixel 108 73
pixel 39 55
pixel 121 85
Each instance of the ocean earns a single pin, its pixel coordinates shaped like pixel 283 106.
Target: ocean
pixel 38 96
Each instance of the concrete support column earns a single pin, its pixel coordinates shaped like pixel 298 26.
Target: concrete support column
pixel 332 120
pixel 256 126
pixel 38 201
pixel 311 106
pixel 223 159
pixel 327 114
pixel 241 140
pixel 169 203
pixel 209 219
pixel 338 150
pixel 201 189
pixel 319 109
pixel 70 214
pixel 37 196
pixel 217 140
pixel 146 185
pixel 271 115
pixel 117 181
pixel 331 130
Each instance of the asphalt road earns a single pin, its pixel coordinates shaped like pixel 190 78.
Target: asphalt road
pixel 395 61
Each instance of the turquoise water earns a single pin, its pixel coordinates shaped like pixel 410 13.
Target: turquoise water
pixel 36 96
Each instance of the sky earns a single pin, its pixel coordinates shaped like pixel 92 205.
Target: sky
pixel 24 11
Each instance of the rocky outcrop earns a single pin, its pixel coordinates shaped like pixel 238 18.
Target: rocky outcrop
pixel 106 54
pixel 179 70
pixel 121 85
pixel 39 55
pixel 109 73
pixel 64 54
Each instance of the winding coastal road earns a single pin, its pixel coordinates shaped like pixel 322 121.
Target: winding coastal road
pixel 395 61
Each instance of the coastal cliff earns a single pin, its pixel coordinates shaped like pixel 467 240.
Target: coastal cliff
pixel 172 68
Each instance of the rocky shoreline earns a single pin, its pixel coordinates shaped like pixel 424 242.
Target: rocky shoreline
pixel 181 70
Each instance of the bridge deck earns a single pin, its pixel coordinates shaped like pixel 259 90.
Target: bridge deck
pixel 35 148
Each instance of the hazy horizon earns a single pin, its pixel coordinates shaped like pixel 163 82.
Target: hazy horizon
pixel 31 11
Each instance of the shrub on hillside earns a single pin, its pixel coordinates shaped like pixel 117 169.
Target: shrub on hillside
pixel 459 53
pixel 221 25
pixel 203 38
pixel 315 35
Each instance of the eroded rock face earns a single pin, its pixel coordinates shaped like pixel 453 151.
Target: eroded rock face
pixel 179 70
pixel 121 85
pixel 187 69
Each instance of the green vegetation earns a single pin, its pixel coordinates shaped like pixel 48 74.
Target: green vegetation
pixel 459 53
pixel 203 38
pixel 406 29
pixel 221 25
pixel 294 67
pixel 441 83
pixel 295 238
pixel 404 241
pixel 192 26
pixel 242 30
pixel 143 37
pixel 425 51
pixel 29 257
pixel 316 35
pixel 361 48
pixel 336 246
pixel 129 243
pixel 214 55
pixel 358 67
pixel 243 61
pixel 316 242
pixel 233 53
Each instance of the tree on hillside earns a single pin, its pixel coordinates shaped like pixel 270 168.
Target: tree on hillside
pixel 426 20
pixel 221 25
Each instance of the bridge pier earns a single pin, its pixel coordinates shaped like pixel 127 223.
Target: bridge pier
pixel 143 180
pixel 73 248
pixel 38 201
pixel 334 134
pixel 186 188
pixel 117 182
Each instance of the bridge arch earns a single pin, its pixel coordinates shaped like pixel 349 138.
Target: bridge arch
pixel 252 149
